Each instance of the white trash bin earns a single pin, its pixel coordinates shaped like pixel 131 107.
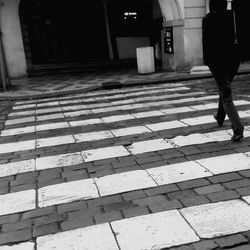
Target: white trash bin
pixel 145 60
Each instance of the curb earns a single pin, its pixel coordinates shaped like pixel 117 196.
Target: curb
pixel 112 85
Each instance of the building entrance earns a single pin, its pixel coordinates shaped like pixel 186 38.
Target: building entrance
pixel 59 31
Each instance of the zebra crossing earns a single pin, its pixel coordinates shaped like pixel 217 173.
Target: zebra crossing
pixel 107 170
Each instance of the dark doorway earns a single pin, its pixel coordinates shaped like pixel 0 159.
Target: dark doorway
pixel 60 31
pixel 242 8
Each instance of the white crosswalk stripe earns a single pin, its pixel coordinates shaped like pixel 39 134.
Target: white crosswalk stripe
pixel 156 229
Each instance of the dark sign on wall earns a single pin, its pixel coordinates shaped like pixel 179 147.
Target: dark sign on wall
pixel 168 40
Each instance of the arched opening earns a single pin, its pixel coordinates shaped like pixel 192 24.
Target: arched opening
pixel 59 31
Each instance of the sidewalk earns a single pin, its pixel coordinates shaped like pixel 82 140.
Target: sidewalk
pixel 47 86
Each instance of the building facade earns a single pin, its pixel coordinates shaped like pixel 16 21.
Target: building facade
pixel 54 32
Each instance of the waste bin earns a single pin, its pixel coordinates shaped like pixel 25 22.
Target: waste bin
pixel 145 60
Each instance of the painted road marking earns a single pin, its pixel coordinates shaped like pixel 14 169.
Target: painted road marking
pixel 178 172
pixel 217 219
pixel 67 192
pixel 138 115
pixel 227 163
pixel 153 231
pixel 124 182
pixel 17 202
pixel 14 168
pixel 21 246
pixel 97 237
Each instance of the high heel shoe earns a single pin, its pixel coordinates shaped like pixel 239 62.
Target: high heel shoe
pixel 238 134
pixel 219 122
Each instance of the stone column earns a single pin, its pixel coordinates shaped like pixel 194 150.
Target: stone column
pixel 176 59
pixel 12 38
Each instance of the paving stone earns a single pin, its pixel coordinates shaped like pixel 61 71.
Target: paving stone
pixel 209 189
pixel 243 191
pixel 104 200
pixel 244 247
pixel 223 196
pixel 193 184
pixel 205 245
pixel 77 223
pixel 165 206
pixel 181 194
pixel 186 247
pixel 194 201
pixel 48 219
pixel 9 218
pixel 108 217
pixel 134 195
pixel 224 178
pixel 38 212
pixel 46 229
pixel 16 236
pixel 16 226
pixel 71 206
pixel 237 184
pixel 150 200
pixel 22 187
pixel 245 173
pixel 117 206
pixel 88 212
pixel 247 234
pixel 232 240
pixel 161 190
pixel 135 211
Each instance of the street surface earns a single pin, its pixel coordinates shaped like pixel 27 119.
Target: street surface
pixel 135 168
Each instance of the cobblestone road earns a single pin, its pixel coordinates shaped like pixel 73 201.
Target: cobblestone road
pixel 130 169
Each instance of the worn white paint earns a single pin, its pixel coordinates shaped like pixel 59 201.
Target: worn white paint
pixel 27 106
pixel 130 131
pixel 124 182
pixel 18 131
pixel 149 146
pixel 67 192
pixel 21 246
pixel 218 219
pixel 104 153
pixel 165 125
pixel 148 114
pixel 97 237
pixel 18 121
pixel 153 231
pixel 192 139
pixel 17 146
pixel 85 122
pixel 198 120
pixel 50 117
pixel 77 113
pixel 58 161
pixel 17 202
pixel 52 126
pixel 93 136
pixel 54 103
pixel 55 141
pixel 19 167
pixel 247 199
pixel 178 172
pixel 117 118
pixel 226 164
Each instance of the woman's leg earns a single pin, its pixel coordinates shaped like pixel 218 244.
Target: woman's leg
pixel 225 91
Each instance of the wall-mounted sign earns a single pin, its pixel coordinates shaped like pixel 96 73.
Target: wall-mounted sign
pixel 168 40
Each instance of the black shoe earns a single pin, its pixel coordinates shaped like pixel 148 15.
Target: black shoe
pixel 219 122
pixel 238 135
